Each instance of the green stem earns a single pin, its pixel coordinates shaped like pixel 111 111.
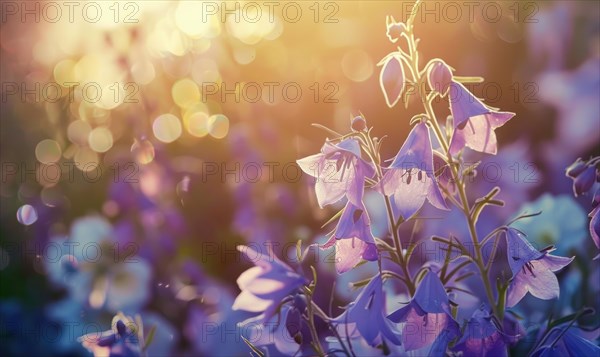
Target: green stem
pixel 376 159
pixel 311 323
pixel 455 174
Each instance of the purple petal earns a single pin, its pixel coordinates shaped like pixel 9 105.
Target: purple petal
pixel 584 181
pixel 519 251
pixel 464 105
pixel 431 295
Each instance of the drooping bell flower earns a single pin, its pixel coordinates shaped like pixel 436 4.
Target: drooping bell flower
pixel 474 123
pixel 566 341
pixel 366 316
pixel 266 284
pixel 120 341
pixel 262 331
pixel 533 271
pixel 583 176
pixel 352 238
pixel 339 171
pixel 439 77
pixel 427 316
pixel 482 337
pixel 394 29
pixel 391 78
pixel 410 179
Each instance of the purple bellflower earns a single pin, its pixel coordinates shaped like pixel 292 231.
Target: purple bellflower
pixel 474 123
pixel 410 179
pixel 352 238
pixel 366 316
pixel 266 284
pixel 339 171
pixel 482 336
pixel 533 271
pixel 427 316
pixel 565 341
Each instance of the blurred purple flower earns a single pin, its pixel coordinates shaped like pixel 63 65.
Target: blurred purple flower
pixel 427 316
pixel 533 271
pixel 366 315
pixel 262 331
pixel 265 285
pixel 120 341
pixel 410 179
pixel 474 123
pixel 339 170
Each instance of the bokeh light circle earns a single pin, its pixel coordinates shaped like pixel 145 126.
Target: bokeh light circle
pixel 167 128
pixel 218 126
pixel 27 215
pixel 48 151
pixel 100 139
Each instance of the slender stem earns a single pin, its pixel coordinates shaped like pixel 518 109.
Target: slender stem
pixel 427 99
pixel 311 323
pixel 324 317
pixel 376 159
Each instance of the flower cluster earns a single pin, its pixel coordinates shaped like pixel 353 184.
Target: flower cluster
pixel 464 303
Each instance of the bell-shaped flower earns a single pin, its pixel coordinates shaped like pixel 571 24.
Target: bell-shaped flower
pixel 366 316
pixel 391 78
pixel 583 176
pixel 410 179
pixel 266 284
pixel 352 238
pixel 482 337
pixel 261 331
pixel 474 123
pixel 339 171
pixel 427 316
pixel 120 341
pixel 566 341
pixel 533 271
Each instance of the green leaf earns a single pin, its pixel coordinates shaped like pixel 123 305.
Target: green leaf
pixel 562 320
pixel 150 337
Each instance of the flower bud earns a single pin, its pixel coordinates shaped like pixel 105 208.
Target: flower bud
pixel 391 79
pixel 439 77
pixel 394 29
pixel 584 181
pixel 359 123
pixel 576 168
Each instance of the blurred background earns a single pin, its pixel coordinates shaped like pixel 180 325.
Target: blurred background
pixel 141 141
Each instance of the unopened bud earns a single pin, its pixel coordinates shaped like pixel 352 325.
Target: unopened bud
pixel 359 123
pixel 394 29
pixel 439 77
